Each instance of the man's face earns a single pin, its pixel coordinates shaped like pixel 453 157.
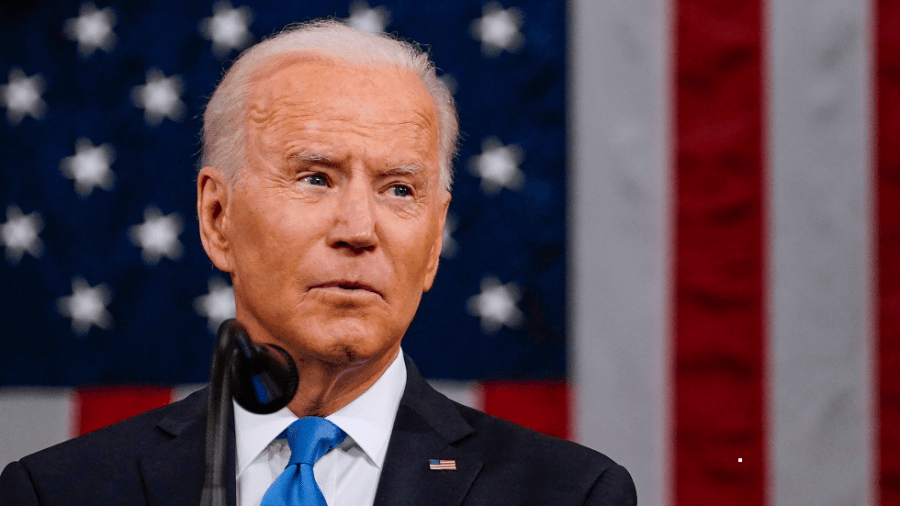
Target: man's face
pixel 334 228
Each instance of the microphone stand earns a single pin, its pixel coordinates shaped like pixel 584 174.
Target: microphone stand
pixel 261 382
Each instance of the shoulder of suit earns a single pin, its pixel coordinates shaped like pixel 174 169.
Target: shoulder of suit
pixel 124 440
pixel 510 442
pixel 533 468
pixel 500 443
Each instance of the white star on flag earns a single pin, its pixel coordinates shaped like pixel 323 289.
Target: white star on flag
pixel 92 29
pixel 20 234
pixel 217 305
pixel 496 305
pixel 22 96
pixel 159 98
pixel 363 18
pixel 498 166
pixel 498 29
pixel 89 167
pixel 227 28
pixel 157 236
pixel 86 307
pixel 449 246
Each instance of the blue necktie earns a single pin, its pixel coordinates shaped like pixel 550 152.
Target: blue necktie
pixel 309 439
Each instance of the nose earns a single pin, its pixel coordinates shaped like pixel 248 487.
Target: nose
pixel 354 222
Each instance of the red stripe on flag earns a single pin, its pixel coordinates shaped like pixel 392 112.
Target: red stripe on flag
pixel 540 405
pixel 719 265
pixel 887 153
pixel 97 407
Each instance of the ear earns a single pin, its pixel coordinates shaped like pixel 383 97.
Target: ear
pixel 212 212
pixel 435 254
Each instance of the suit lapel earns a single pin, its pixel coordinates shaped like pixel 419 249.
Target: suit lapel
pixel 174 474
pixel 426 428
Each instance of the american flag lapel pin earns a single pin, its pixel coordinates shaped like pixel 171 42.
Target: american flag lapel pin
pixel 442 465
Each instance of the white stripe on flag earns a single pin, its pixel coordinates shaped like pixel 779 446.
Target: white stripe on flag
pixel 467 393
pixel 619 228
pixel 33 419
pixel 820 228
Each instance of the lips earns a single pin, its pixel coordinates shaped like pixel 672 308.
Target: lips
pixel 348 285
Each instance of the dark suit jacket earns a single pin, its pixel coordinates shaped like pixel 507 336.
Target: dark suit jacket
pixel 157 458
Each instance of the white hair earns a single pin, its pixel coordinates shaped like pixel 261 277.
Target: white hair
pixel 224 125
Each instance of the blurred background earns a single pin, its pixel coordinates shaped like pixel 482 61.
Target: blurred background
pixel 671 236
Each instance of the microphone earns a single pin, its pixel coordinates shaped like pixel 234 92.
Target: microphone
pixel 260 381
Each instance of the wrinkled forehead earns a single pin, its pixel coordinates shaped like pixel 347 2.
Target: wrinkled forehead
pixel 307 87
pixel 269 66
pixel 304 77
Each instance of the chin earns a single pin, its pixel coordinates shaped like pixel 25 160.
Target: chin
pixel 347 342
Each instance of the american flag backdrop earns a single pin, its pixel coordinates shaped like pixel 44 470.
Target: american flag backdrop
pixel 673 234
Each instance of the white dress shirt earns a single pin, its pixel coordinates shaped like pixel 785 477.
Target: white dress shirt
pixel 347 475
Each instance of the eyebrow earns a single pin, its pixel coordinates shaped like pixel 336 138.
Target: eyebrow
pixel 330 161
pixel 313 157
pixel 404 170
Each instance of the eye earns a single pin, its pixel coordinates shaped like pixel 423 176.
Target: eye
pixel 316 180
pixel 400 190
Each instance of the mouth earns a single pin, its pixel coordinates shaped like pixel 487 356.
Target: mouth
pixel 349 286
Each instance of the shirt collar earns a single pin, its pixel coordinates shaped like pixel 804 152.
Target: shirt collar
pixel 368 420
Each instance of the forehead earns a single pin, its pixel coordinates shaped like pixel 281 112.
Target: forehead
pixel 296 98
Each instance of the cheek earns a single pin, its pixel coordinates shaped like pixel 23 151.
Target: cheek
pixel 418 242
pixel 266 237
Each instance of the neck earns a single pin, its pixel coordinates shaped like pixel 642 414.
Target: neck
pixel 327 387
pixel 330 376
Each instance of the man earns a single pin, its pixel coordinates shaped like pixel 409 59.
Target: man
pixel 324 191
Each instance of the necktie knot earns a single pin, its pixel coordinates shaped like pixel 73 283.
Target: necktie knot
pixel 312 437
pixel 309 439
